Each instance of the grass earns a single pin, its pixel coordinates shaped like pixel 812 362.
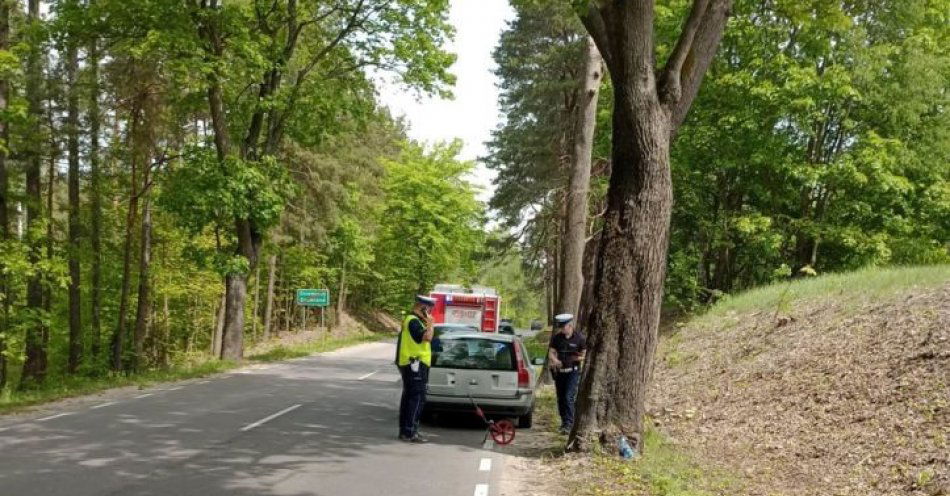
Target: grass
pixel 665 470
pixel 538 345
pixel 287 352
pixel 57 388
pixel 871 282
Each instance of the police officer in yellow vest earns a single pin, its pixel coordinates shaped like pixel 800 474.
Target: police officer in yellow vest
pixel 414 357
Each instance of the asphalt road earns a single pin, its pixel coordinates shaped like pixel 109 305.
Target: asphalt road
pixel 322 425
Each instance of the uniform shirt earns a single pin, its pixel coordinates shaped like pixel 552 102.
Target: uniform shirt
pixel 417 329
pixel 567 348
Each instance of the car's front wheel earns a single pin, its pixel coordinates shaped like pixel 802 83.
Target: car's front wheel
pixel 525 421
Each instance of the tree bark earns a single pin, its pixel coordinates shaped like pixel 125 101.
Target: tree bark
pixel 95 196
pixel 144 301
pixel 257 301
pixel 72 131
pixel 269 308
pixel 631 260
pixel 34 366
pixel 118 336
pixel 341 297
pixel 218 327
pixel 232 338
pixel 575 222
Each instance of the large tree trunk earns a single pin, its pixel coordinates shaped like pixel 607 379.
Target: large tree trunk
pixel 34 366
pixel 269 308
pixel 232 338
pixel 72 131
pixel 144 298
pixel 628 281
pixel 631 260
pixel 575 228
pixel 95 198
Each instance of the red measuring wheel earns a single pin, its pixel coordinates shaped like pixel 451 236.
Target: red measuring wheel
pixel 503 432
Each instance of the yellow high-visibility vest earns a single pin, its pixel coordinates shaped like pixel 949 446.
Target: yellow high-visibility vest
pixel 408 347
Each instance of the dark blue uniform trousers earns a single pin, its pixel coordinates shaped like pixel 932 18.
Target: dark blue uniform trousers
pixel 413 399
pixel 565 383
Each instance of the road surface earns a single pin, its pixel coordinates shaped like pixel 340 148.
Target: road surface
pixel 323 425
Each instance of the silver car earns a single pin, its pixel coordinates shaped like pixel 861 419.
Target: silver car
pixel 494 370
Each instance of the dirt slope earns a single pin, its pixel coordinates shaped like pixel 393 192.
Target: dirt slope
pixel 845 395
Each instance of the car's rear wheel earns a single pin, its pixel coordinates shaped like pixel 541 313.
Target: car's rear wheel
pixel 525 421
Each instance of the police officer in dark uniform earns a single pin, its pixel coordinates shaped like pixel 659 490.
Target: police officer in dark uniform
pixel 414 357
pixel 565 356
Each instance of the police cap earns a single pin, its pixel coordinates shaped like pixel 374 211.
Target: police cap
pixel 425 300
pixel 563 319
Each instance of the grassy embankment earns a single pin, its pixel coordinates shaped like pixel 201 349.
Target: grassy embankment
pixel 60 387
pixel 669 467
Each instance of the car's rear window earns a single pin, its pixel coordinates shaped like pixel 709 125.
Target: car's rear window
pixel 473 353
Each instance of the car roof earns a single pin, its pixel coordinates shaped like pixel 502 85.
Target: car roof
pixel 508 338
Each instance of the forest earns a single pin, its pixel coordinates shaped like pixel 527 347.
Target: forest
pixel 820 138
pixel 171 172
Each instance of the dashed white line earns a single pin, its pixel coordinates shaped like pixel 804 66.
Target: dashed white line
pixel 484 465
pixel 51 417
pixel 367 376
pixel 270 417
pixel 146 395
pixel 481 490
pixel 102 405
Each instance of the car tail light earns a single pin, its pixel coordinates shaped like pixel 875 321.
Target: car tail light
pixel 524 378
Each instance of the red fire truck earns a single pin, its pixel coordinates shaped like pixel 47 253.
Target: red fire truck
pixel 476 306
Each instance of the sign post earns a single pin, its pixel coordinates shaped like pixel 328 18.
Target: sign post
pixel 308 298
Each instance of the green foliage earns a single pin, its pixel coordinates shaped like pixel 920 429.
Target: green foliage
pixel 430 224
pixel 204 192
pixel 522 297
pixel 814 142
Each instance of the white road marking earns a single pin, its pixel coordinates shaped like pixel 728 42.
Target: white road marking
pixel 203 382
pixel 481 490
pixel 270 417
pixel 367 376
pixel 176 388
pixel 146 395
pixel 102 405
pixel 484 465
pixel 51 417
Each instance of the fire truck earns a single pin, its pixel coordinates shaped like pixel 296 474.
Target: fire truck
pixel 476 306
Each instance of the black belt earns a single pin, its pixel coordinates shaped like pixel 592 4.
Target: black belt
pixel 568 370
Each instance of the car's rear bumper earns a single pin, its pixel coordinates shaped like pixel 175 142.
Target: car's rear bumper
pixel 517 406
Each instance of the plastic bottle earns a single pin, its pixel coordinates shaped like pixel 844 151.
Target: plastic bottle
pixel 626 451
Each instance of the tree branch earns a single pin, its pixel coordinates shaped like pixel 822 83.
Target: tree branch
pixel 669 83
pixel 701 51
pixel 593 20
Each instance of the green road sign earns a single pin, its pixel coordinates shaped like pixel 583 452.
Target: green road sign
pixel 313 297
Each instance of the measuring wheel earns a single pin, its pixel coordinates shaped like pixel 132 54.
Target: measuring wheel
pixel 502 432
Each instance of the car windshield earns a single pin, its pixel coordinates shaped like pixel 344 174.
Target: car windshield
pixel 474 353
